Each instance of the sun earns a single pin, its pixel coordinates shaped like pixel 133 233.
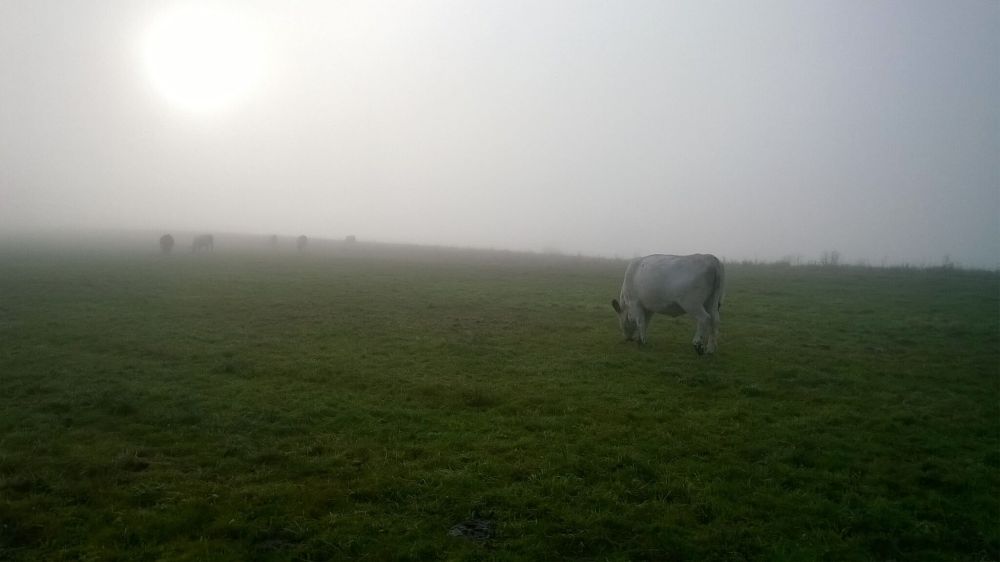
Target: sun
pixel 203 59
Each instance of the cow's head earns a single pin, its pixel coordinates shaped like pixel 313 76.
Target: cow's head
pixel 625 319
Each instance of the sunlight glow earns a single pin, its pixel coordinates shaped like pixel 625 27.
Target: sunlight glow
pixel 202 59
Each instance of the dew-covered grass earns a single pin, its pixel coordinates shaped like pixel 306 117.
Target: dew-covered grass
pixel 358 401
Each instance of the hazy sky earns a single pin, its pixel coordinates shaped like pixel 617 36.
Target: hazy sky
pixel 745 129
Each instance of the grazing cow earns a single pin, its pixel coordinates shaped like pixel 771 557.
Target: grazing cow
pixel 166 243
pixel 673 285
pixel 351 239
pixel 203 242
pixel 301 242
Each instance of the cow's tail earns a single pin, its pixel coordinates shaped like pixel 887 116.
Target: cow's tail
pixel 719 289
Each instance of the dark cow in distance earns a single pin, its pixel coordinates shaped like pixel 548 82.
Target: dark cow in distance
pixel 301 242
pixel 203 242
pixel 166 244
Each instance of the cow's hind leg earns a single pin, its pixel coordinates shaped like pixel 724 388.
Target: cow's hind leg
pixel 713 342
pixel 703 334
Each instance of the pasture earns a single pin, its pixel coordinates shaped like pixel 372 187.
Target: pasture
pixel 356 402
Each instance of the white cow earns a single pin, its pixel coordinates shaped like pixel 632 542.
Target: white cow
pixel 673 285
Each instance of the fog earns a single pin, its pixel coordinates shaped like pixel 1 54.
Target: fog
pixel 752 130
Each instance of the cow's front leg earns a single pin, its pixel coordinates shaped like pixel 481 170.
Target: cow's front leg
pixel 642 322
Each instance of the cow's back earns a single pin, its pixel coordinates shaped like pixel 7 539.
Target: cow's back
pixel 659 281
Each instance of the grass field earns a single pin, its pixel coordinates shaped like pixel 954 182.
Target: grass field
pixel 356 402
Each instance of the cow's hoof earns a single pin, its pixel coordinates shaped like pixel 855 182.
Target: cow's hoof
pixel 699 348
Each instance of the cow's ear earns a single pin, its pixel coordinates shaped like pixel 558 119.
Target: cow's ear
pixel 616 306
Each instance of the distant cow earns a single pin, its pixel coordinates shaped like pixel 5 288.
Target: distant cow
pixel 673 285
pixel 350 239
pixel 273 239
pixel 166 243
pixel 203 242
pixel 301 242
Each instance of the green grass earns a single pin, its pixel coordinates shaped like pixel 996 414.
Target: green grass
pixel 355 404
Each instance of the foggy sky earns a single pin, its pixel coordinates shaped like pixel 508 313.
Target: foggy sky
pixel 745 129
